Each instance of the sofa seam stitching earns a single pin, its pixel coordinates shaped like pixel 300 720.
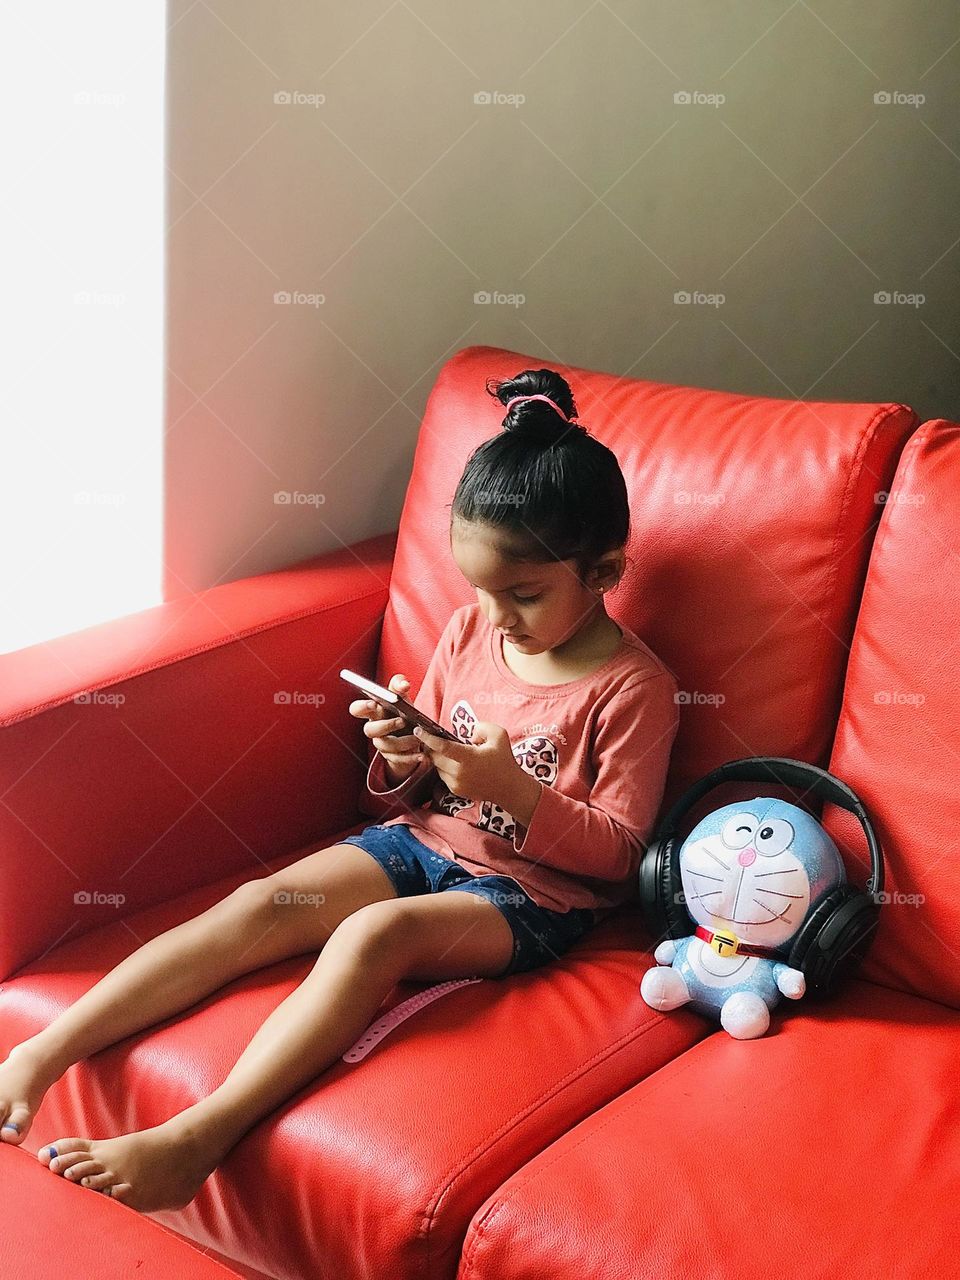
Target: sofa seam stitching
pixel 567 1150
pixel 490 1141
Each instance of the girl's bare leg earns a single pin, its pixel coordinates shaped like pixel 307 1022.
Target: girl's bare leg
pixel 430 936
pixel 247 930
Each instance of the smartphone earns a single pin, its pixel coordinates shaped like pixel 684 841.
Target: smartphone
pixel 397 703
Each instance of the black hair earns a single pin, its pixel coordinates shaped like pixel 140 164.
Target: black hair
pixel 555 491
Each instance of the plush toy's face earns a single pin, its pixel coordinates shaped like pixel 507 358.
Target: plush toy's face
pixel 755 867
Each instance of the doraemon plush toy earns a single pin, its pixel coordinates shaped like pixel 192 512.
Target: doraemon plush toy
pixel 751 872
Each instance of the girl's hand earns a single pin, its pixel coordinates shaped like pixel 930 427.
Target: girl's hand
pixel 400 750
pixel 483 768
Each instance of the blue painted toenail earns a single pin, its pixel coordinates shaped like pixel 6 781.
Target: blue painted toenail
pixel 53 1152
pixel 12 1126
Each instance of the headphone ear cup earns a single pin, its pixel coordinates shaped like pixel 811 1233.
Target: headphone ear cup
pixel 676 916
pixel 833 938
pixel 663 913
pixel 802 946
pixel 650 894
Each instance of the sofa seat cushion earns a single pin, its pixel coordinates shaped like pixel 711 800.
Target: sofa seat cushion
pixel 376 1168
pixel 829 1148
pixel 52 1228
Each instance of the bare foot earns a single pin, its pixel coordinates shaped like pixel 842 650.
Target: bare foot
pixel 24 1079
pixel 159 1168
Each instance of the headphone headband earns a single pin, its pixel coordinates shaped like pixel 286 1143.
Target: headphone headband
pixel 787 772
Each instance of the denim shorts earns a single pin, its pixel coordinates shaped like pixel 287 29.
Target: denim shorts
pixel 539 934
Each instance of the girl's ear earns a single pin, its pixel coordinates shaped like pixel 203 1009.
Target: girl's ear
pixel 608 572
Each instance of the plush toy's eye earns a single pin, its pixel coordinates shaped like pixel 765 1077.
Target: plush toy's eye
pixel 773 837
pixel 738 831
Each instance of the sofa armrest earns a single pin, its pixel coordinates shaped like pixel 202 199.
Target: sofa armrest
pixel 166 749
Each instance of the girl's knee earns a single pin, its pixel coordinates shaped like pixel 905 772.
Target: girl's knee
pixel 378 932
pixel 260 896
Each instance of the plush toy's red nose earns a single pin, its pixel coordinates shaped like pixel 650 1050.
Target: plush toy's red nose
pixel 747 856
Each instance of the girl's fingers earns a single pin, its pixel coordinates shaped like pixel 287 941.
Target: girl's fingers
pixel 366 708
pixel 401 757
pixel 380 728
pixel 396 740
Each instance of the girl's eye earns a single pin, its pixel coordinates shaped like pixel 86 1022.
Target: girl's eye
pixel 526 599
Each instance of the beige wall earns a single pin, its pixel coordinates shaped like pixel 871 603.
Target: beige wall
pixel 597 199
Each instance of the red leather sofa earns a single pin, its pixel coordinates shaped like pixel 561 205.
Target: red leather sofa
pixel 550 1123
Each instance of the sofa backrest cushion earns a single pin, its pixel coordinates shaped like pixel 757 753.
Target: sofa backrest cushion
pixel 752 520
pixel 898 736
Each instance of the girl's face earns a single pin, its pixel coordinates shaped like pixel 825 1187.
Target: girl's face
pixel 536 606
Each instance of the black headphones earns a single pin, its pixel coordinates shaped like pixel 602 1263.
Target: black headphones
pixel 839 929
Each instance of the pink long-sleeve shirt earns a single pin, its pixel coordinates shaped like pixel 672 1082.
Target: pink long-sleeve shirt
pixel 599 746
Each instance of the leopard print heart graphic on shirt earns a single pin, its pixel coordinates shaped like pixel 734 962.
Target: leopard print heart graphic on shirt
pixel 536 755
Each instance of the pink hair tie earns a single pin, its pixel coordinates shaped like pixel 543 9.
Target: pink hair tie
pixel 547 399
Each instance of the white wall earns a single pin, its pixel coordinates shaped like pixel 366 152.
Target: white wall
pixel 81 312
pixel 597 199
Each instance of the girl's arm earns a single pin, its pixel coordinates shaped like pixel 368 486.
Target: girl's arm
pixel 383 798
pixel 604 837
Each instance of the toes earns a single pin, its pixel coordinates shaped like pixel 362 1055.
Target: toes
pixel 120 1191
pixel 62 1164
pixel 16 1123
pixel 62 1147
pixel 14 1128
pixel 81 1168
pixel 99 1181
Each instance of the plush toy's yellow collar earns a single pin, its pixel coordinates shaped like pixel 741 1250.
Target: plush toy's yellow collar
pixel 726 943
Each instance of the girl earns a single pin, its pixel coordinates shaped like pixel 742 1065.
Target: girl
pixel 535 826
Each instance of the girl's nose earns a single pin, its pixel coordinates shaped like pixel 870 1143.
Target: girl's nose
pixel 502 622
pixel 747 856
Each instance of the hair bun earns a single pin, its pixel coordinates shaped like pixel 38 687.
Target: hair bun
pixel 542 429
pixel 540 407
